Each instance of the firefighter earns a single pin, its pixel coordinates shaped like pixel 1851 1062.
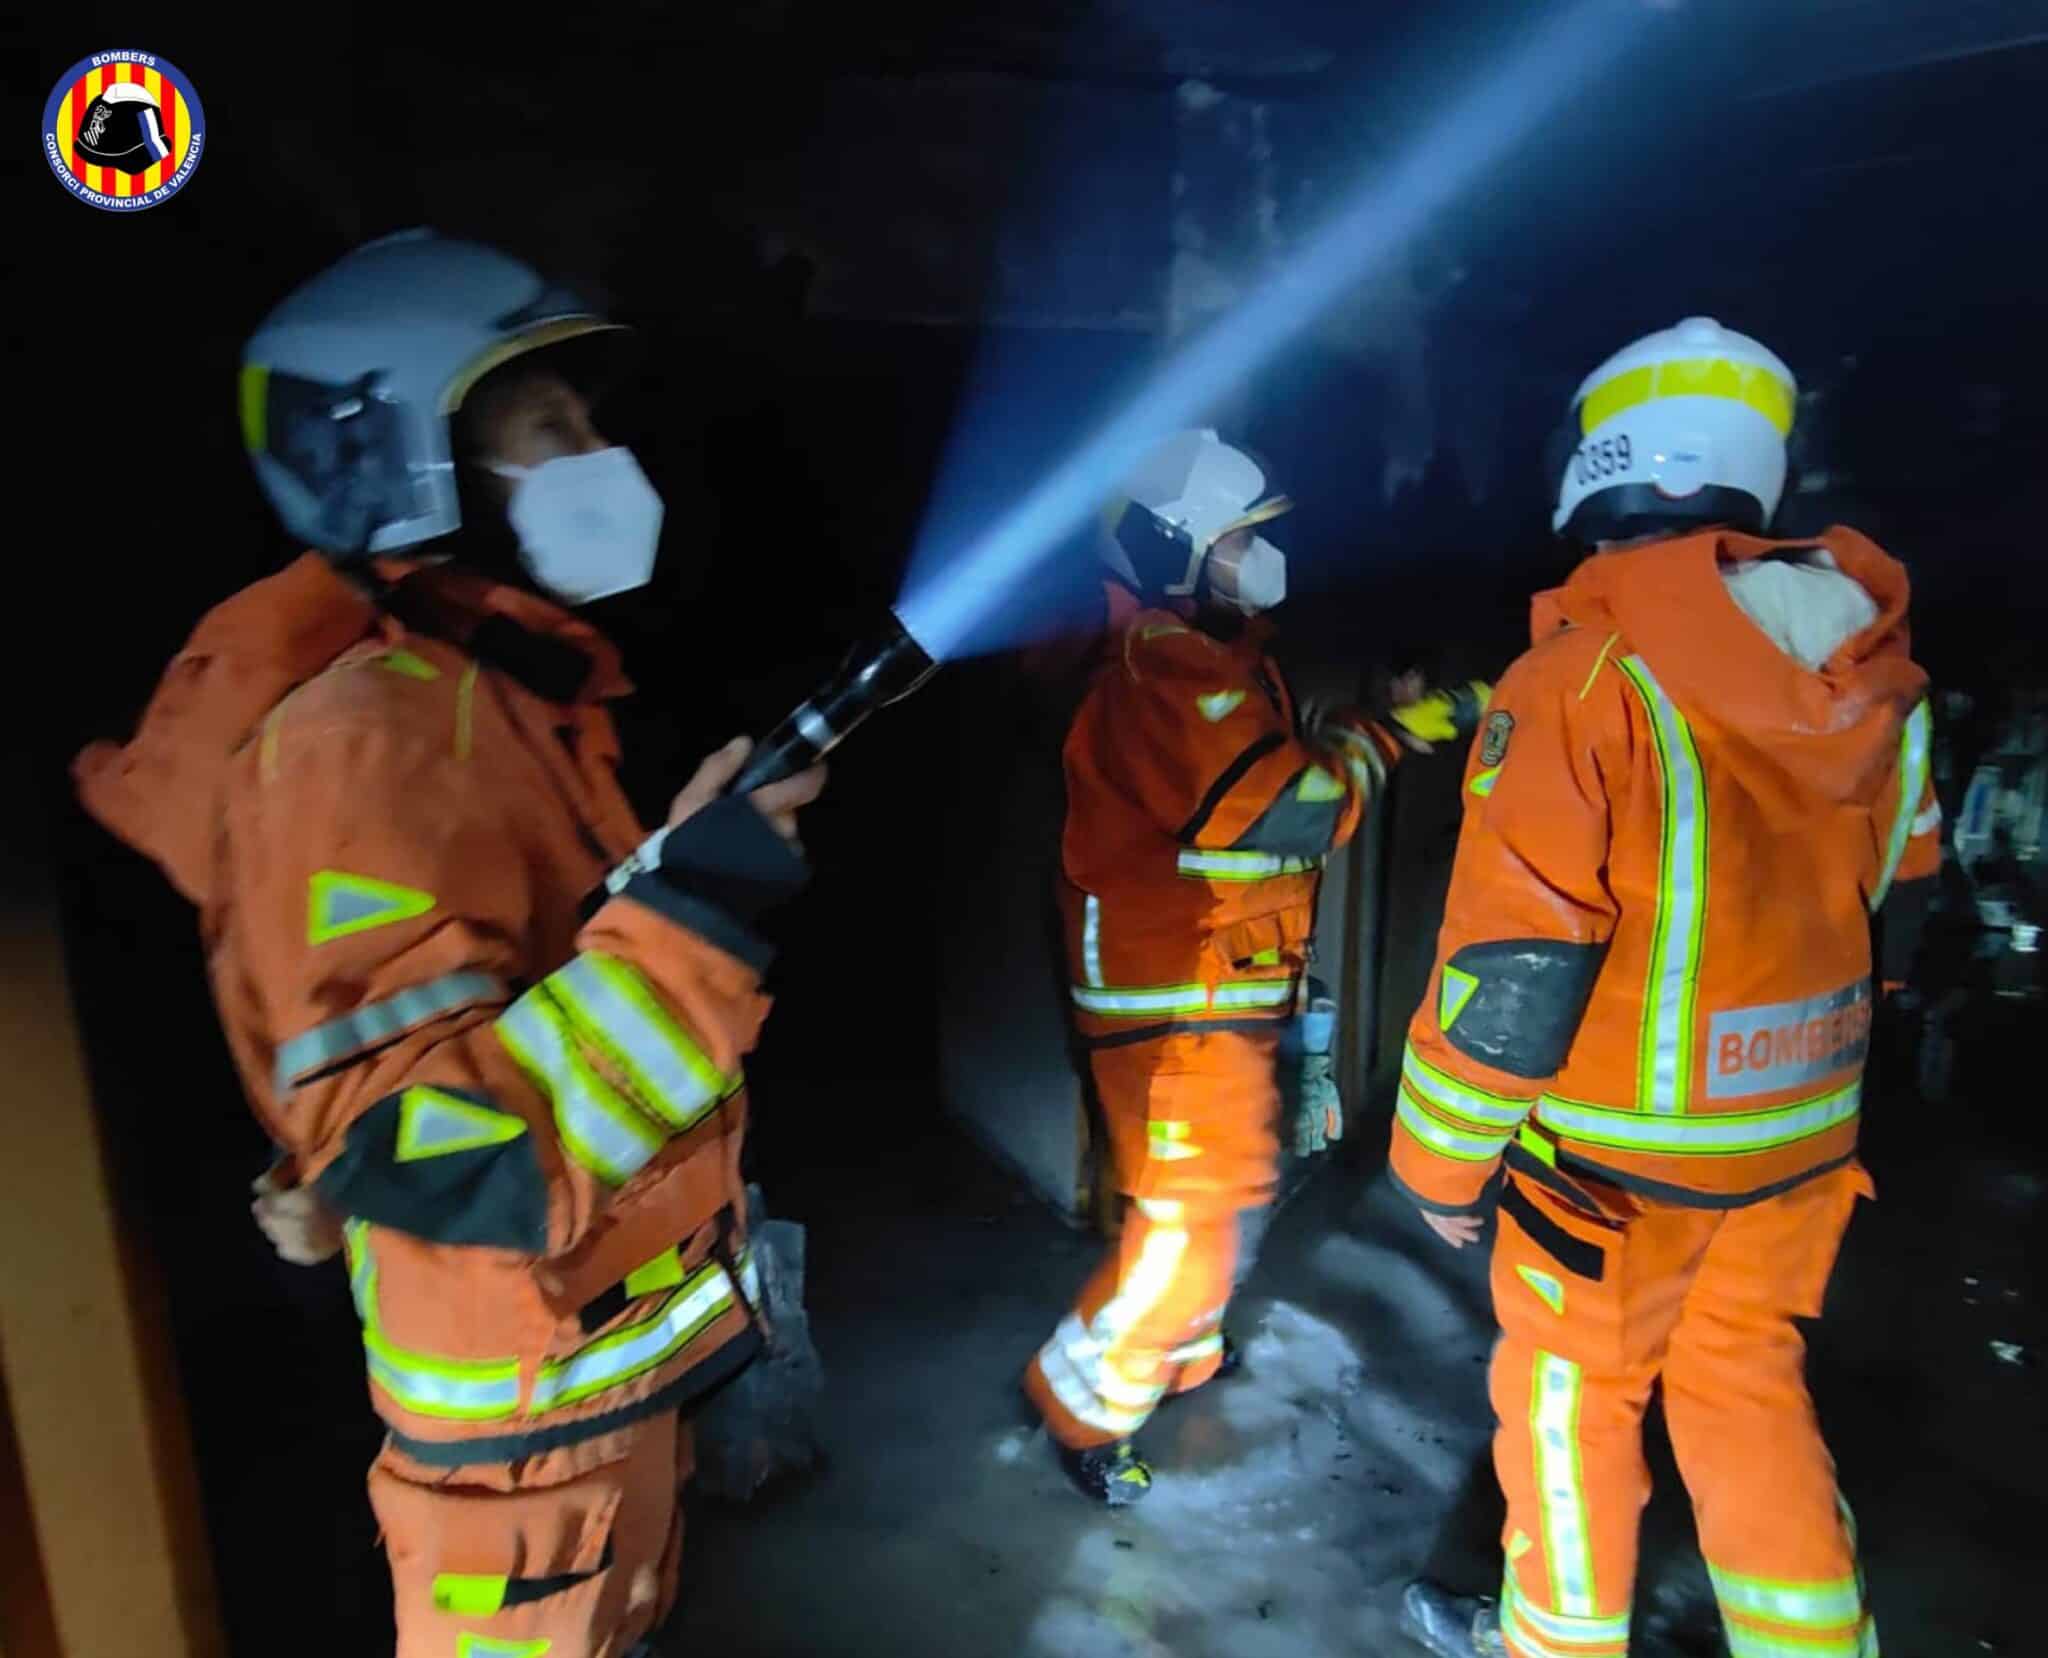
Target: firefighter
pixel 493 1027
pixel 1200 808
pixel 1652 1000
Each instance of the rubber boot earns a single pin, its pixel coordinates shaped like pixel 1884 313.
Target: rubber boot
pixel 1114 1475
pixel 1451 1626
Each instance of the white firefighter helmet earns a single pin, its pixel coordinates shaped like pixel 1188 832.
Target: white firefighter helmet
pixel 1685 427
pixel 1189 493
pixel 348 386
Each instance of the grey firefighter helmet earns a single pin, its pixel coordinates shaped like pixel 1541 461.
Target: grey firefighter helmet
pixel 349 386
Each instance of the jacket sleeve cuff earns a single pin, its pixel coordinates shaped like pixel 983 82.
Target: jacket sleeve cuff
pixel 1440 1184
pixel 715 874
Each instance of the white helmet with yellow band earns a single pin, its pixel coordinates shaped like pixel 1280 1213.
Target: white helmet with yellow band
pixel 1685 427
pixel 1182 523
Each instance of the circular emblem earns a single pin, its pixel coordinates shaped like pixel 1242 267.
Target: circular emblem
pixel 123 131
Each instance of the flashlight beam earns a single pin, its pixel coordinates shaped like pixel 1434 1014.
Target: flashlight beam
pixel 943 604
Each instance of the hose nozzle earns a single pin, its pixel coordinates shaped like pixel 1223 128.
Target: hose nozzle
pixel 884 669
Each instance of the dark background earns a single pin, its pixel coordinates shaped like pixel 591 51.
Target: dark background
pixel 850 233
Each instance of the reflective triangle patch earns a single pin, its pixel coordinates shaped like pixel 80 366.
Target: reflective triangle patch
pixel 1545 1286
pixel 1482 785
pixel 339 904
pixel 1318 784
pixel 1219 705
pixel 1457 991
pixel 434 1124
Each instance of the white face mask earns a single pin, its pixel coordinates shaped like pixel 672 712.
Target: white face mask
pixel 588 525
pixel 1252 579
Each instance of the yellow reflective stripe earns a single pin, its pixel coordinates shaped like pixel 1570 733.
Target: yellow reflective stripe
pixel 1592 1631
pixel 616 1012
pixel 1460 1099
pixel 1242 866
pixel 1469 1148
pixel 600 1128
pixel 1567 1534
pixel 458 1390
pixel 255 403
pixel 664 1272
pixel 484 1646
pixel 638 1348
pixel 1720 1134
pixel 1754 1643
pixel 408 664
pixel 1671 995
pixel 1181 998
pixel 1913 746
pixel 470 1595
pixel 1825 1605
pixel 1749 384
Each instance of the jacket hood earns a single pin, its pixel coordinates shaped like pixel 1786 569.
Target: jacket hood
pixel 1798 738
pixel 161 791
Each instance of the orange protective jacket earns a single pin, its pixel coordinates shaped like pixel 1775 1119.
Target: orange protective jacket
pixel 496 1027
pixel 1197 826
pixel 1655 964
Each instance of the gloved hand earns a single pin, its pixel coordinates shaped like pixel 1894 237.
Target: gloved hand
pixel 297 1221
pixel 1442 716
pixel 1318 1107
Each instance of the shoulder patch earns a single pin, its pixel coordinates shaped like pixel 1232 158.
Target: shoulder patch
pixel 1493 745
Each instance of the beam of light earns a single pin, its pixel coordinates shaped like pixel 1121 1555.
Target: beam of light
pixel 952 589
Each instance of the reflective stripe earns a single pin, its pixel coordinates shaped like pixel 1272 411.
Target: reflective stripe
pixel 1469 1148
pixel 1182 998
pixel 1731 1132
pixel 1567 1535
pixel 456 1389
pixel 614 1009
pixel 1927 822
pixel 1754 1643
pixel 602 1131
pixel 1091 940
pixel 1809 1605
pixel 1582 1631
pixel 1664 1080
pixel 469 1645
pixel 1515 1625
pixel 1195 1351
pixel 1103 1380
pixel 1912 786
pixel 1750 384
pixel 1460 1099
pixel 639 1348
pixel 1242 866
pixel 1170 1142
pixel 1076 1399
pixel 375 1023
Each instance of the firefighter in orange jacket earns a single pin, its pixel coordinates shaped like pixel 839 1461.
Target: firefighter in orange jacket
pixel 1199 813
pixel 493 1027
pixel 1653 999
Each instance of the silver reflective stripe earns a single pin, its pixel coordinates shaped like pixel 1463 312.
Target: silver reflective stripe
pixel 1471 1148
pixel 1074 1395
pixel 1753 1643
pixel 375 1023
pixel 1567 1535
pixel 1583 1631
pixel 459 1390
pixel 603 1133
pixel 1473 1104
pixel 618 1013
pixel 1242 866
pixel 1810 1605
pixel 1091 940
pixel 637 1349
pixel 1912 786
pixel 1725 1133
pixel 1669 998
pixel 1261 993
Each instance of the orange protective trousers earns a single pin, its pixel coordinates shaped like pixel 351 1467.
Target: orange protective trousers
pixel 581 1546
pixel 1703 1300
pixel 1191 1118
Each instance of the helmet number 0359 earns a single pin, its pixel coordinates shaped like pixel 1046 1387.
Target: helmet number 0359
pixel 1604 459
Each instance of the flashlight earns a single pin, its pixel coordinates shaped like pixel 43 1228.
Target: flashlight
pixel 885 669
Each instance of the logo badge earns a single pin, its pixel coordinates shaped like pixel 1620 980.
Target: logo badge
pixel 1493 746
pixel 123 131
